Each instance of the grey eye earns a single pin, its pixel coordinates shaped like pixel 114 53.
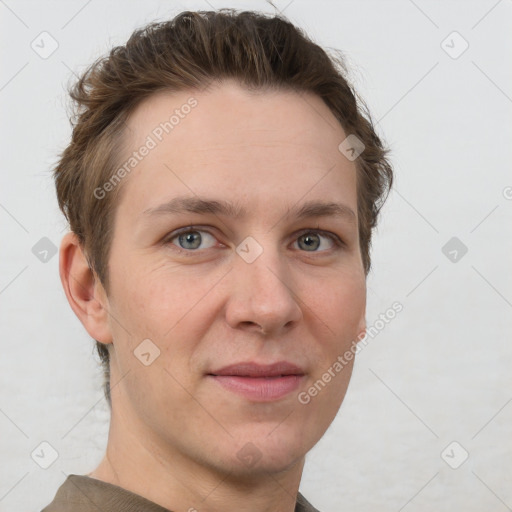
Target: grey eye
pixel 311 242
pixel 193 239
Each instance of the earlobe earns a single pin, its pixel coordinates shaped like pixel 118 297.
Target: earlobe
pixel 83 289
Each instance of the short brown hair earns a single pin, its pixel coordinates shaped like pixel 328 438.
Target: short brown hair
pixel 185 53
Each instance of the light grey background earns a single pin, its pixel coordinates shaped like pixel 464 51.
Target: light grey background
pixel 438 373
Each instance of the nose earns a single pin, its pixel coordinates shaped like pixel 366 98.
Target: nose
pixel 262 296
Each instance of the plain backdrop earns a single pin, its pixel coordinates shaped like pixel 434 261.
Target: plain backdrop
pixel 432 388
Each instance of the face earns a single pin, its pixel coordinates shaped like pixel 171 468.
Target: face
pixel 275 277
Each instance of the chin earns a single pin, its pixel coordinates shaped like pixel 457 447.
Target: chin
pixel 264 450
pixel 266 465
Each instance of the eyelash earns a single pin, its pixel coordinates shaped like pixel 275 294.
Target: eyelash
pixel 338 243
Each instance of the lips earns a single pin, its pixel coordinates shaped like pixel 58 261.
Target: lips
pixel 250 369
pixel 259 383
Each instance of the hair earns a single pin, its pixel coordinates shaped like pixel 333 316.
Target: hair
pixel 189 52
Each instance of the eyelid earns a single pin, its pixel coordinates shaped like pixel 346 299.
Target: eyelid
pixel 328 234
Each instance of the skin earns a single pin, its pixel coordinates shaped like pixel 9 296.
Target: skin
pixel 174 434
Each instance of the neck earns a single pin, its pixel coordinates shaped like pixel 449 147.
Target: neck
pixel 140 462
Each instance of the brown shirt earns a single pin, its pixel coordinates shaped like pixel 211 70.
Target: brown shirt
pixel 80 493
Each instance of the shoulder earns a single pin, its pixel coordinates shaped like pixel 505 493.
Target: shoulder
pixel 80 493
pixel 303 505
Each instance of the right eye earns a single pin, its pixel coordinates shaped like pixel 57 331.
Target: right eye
pixel 191 239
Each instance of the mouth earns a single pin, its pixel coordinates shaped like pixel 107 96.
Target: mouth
pixel 259 383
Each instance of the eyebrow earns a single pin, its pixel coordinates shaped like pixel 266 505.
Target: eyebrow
pixel 190 204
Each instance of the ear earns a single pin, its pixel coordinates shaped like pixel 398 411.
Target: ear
pixel 83 289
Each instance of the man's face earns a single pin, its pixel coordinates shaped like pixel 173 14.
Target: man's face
pixel 212 298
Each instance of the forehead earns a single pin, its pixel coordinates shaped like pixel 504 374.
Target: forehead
pixel 237 143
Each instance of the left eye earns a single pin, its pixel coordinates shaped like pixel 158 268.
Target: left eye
pixel 195 239
pixel 312 241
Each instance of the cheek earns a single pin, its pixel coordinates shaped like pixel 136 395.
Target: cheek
pixel 137 310
pixel 151 298
pixel 171 309
pixel 339 310
pixel 159 307
pixel 341 305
